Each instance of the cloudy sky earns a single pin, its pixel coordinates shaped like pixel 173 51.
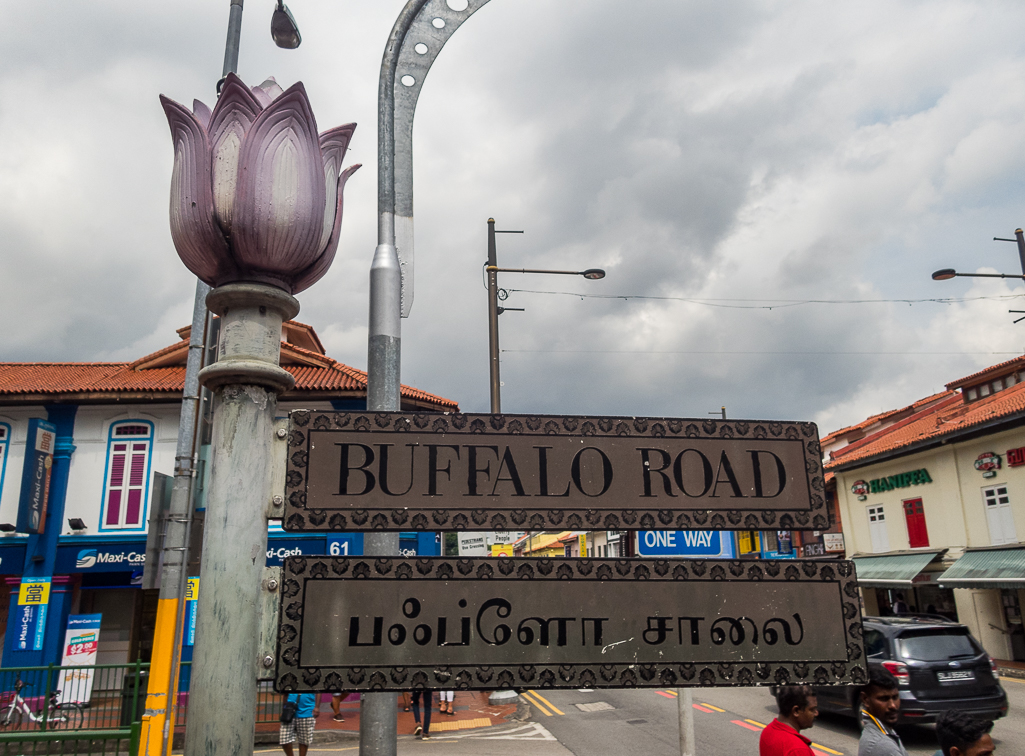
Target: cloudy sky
pixel 769 185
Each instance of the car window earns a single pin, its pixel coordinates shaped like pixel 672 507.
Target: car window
pixel 937 645
pixel 875 643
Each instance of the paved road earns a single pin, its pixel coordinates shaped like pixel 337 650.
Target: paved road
pixel 644 722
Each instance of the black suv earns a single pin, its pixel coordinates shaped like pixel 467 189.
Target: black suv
pixel 938 664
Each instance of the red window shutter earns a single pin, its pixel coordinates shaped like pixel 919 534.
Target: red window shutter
pixel 918 534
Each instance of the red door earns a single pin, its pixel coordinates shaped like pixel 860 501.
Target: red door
pixel 914 513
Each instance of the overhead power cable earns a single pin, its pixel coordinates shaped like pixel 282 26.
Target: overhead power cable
pixel 767 304
pixel 724 351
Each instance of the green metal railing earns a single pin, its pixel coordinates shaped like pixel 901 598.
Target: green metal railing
pixel 92 709
pixel 72 710
pixel 73 743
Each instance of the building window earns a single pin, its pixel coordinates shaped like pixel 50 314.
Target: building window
pixel 999 515
pixel 5 437
pixel 914 515
pixel 877 529
pixel 126 490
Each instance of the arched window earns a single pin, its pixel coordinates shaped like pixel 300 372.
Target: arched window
pixel 126 490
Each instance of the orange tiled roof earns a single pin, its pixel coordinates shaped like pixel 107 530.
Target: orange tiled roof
pixel 163 372
pixel 882 417
pixel 992 371
pixel 937 420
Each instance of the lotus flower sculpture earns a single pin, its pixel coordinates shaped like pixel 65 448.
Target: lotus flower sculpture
pixel 256 194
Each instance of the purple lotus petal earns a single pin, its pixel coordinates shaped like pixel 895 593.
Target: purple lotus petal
pixel 232 117
pixel 196 235
pixel 202 112
pixel 261 97
pixel 256 195
pixel 333 144
pixel 315 272
pixel 280 196
pixel 268 91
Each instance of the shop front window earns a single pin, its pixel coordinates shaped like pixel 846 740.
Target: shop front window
pixel 1012 615
pixel 126 489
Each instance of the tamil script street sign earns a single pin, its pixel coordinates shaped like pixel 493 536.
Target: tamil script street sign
pixel 422 471
pixel 356 623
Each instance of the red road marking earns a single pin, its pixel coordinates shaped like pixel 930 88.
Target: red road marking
pixel 667 695
pixel 699 707
pixel 746 725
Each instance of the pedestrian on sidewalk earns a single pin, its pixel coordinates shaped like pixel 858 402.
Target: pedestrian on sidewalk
pixel 445 705
pixel 961 734
pixel 297 722
pixel 798 708
pixel 880 709
pixel 336 705
pixel 425 730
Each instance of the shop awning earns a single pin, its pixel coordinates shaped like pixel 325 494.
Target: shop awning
pixel 891 570
pixel 989 568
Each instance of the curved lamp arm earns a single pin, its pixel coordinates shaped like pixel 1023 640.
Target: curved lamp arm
pixel 421 30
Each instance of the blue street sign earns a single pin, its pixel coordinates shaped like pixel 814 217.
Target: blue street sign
pixel 697 544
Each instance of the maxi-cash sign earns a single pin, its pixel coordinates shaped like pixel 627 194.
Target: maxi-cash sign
pixel 420 471
pixel 355 623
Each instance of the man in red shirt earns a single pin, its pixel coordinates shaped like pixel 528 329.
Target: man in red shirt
pixel 798 708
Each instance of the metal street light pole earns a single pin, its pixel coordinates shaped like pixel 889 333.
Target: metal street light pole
pixel 494 310
pixel 420 32
pixel 945 274
pixel 166 655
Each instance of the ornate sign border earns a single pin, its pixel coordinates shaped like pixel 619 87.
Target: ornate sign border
pixel 291 677
pixel 298 518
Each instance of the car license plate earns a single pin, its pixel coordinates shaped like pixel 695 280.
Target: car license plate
pixel 961 675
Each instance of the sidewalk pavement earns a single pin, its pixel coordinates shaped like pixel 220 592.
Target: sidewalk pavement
pixel 472 712
pixel 514 739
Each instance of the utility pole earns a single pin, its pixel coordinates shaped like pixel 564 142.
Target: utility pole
pixel 493 349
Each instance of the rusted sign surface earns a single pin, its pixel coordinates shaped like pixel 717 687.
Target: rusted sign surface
pixel 407 471
pixel 363 623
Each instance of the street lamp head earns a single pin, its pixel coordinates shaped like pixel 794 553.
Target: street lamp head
pixel 944 275
pixel 283 28
pixel 593 273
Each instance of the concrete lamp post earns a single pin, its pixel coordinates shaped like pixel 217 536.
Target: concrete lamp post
pixel 256 209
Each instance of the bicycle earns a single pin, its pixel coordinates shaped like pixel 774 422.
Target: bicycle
pixel 59 716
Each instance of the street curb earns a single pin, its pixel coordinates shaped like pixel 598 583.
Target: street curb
pixel 1018 674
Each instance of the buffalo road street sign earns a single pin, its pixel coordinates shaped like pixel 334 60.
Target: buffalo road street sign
pixel 356 623
pixel 420 471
